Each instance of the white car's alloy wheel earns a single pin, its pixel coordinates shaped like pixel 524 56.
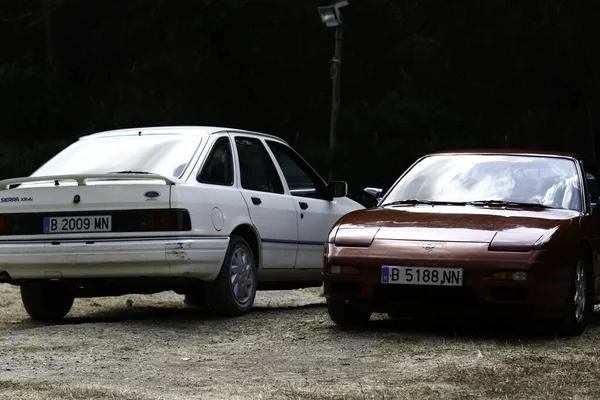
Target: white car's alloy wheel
pixel 234 290
pixel 242 275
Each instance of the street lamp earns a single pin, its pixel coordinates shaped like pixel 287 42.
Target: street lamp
pixel 331 17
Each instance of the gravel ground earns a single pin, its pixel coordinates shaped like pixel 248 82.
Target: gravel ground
pixel 285 348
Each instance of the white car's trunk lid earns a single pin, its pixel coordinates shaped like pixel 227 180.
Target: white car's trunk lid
pixel 83 206
pixel 84 193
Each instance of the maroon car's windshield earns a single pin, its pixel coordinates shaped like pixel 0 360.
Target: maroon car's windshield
pixel 463 178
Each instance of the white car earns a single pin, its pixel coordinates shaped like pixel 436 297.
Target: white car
pixel 212 213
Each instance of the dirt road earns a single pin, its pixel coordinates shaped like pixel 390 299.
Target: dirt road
pixel 286 348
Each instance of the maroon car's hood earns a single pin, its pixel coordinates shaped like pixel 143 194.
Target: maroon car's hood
pixel 452 224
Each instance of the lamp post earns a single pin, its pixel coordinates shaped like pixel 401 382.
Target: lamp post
pixel 331 17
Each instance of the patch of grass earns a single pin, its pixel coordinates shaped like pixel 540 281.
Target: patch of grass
pixel 6 302
pixel 294 393
pixel 399 390
pixel 48 346
pixel 539 374
pixel 38 390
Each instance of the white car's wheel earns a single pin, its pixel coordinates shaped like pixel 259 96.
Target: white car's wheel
pixel 45 300
pixel 234 290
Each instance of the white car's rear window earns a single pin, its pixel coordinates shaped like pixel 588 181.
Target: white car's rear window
pixel 160 154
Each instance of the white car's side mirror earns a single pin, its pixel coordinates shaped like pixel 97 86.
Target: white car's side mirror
pixel 338 189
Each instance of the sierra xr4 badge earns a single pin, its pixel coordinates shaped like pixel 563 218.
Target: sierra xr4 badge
pixel 14 199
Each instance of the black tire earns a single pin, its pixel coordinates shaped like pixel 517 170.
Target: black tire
pixel 398 315
pixel 579 304
pixel 230 295
pixel 348 316
pixel 46 300
pixel 196 297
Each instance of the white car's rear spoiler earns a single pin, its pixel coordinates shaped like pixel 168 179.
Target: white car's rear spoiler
pixel 82 179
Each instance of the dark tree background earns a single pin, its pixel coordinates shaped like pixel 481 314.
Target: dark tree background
pixel 417 75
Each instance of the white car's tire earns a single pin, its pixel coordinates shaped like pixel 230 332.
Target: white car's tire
pixel 196 298
pixel 46 300
pixel 234 290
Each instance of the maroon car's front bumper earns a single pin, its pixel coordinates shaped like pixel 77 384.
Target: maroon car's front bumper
pixel 542 294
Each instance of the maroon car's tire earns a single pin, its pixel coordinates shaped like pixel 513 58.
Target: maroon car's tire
pixel 234 290
pixel 348 316
pixel 579 303
pixel 46 300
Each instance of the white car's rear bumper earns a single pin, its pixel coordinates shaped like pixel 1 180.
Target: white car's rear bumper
pixel 165 257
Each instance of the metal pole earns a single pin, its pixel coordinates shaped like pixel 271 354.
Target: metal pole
pixel 335 97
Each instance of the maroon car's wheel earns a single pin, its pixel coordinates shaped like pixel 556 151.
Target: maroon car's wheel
pixel 348 316
pixel 46 300
pixel 578 304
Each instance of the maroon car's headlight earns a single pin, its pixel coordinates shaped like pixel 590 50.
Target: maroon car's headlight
pixel 355 236
pixel 545 238
pixel 332 233
pixel 518 240
pixel 343 270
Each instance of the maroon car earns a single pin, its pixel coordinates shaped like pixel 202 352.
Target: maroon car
pixel 472 232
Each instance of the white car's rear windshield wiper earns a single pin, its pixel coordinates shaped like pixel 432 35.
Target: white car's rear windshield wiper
pixel 503 203
pixel 422 201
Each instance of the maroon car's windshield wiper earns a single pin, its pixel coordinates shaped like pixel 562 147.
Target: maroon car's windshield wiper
pixel 503 203
pixel 422 201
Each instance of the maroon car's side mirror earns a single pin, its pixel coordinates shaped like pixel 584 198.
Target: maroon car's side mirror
pixel 372 196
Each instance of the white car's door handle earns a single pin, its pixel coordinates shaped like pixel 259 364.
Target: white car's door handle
pixel 303 205
pixel 256 200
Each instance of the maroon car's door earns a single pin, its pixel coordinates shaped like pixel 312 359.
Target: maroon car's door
pixel 592 179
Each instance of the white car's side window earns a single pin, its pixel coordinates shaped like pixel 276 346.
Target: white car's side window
pixel 256 167
pixel 302 180
pixel 218 169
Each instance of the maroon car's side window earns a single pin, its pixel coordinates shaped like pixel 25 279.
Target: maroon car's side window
pixel 591 176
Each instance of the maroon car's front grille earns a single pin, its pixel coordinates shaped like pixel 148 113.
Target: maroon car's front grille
pixel 425 294
pixel 509 294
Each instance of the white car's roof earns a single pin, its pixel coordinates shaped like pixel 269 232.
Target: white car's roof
pixel 175 130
